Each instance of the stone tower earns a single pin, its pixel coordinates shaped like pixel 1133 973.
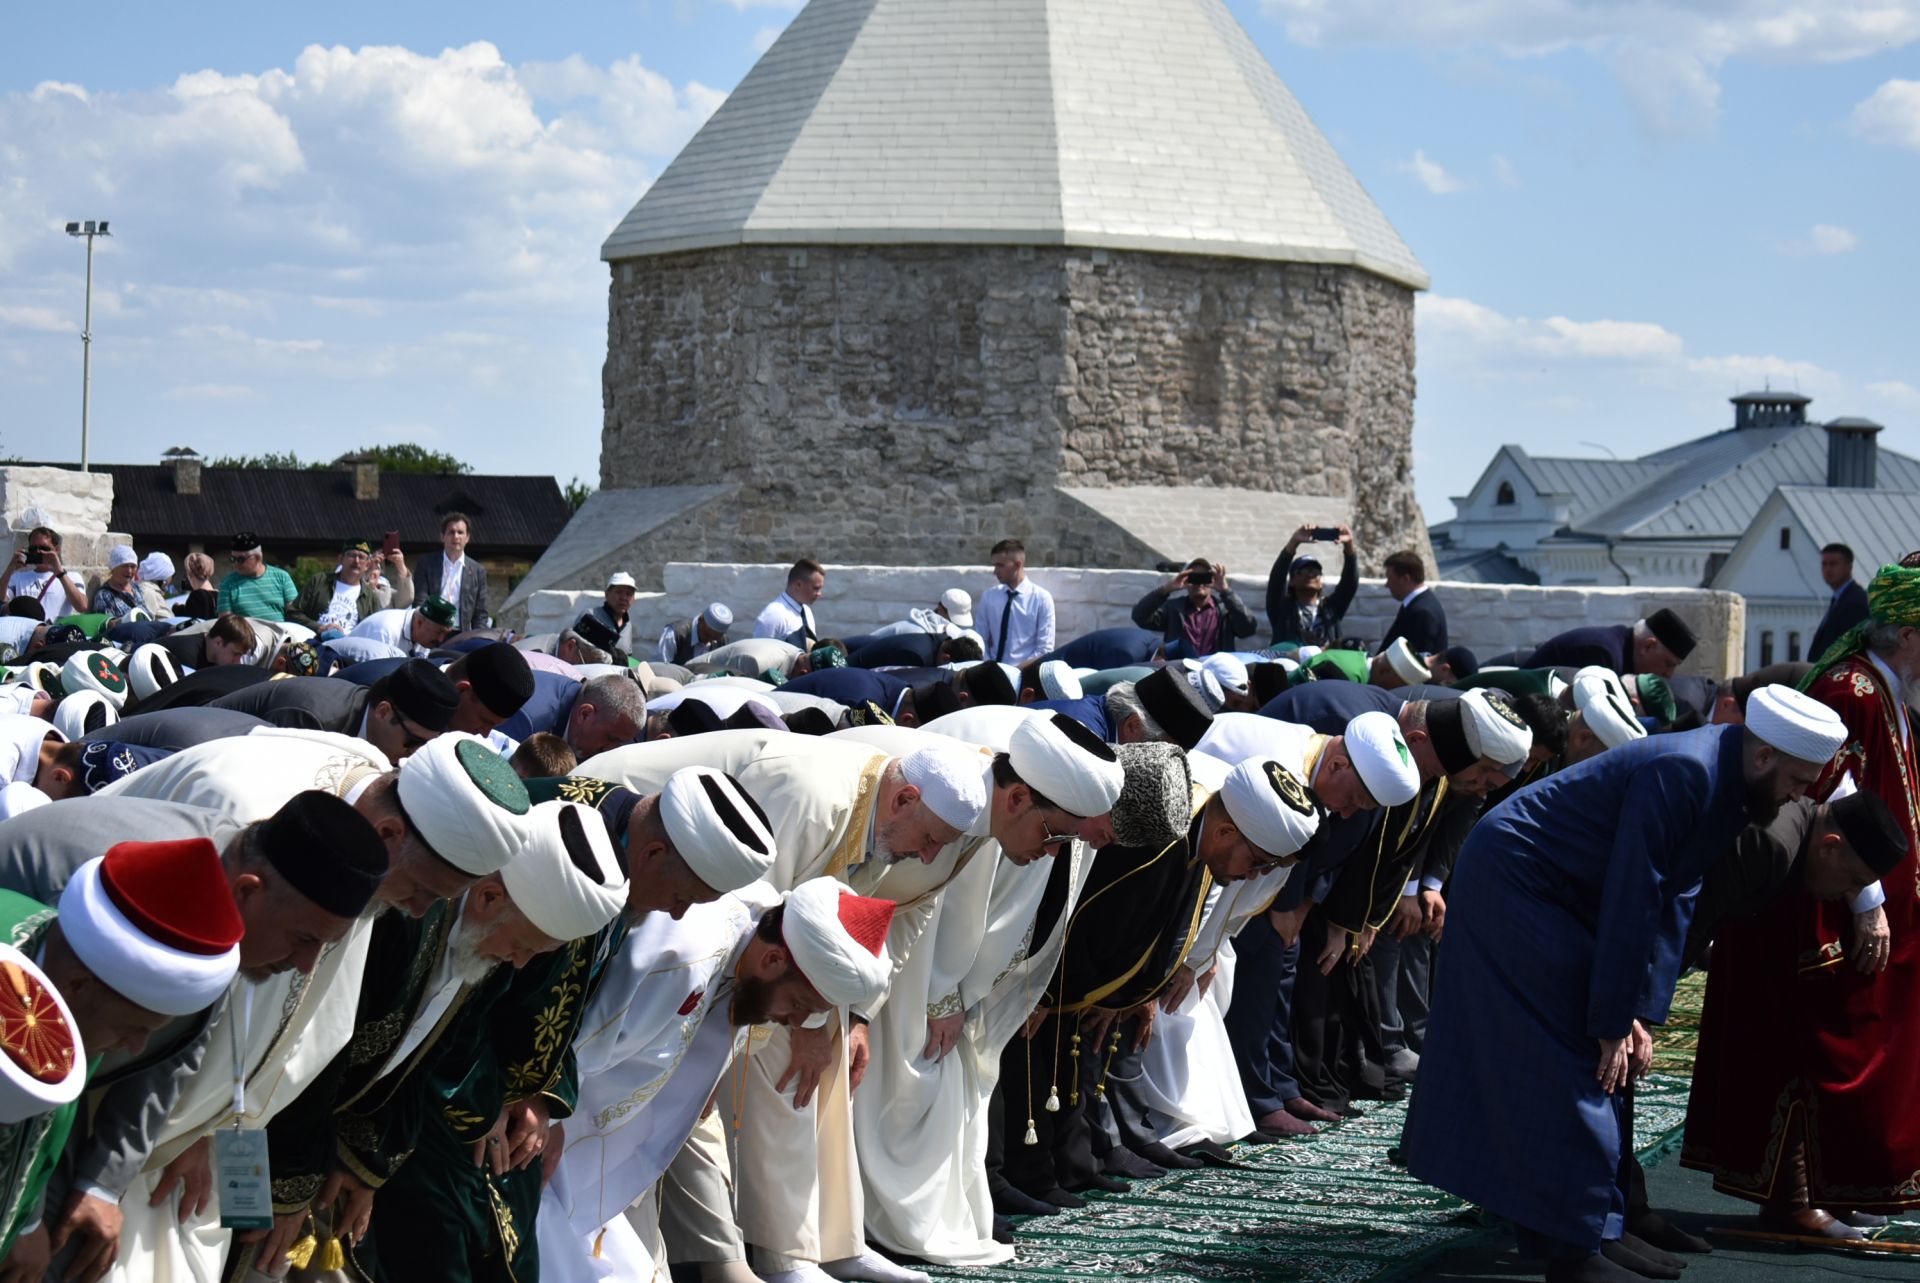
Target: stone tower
pixel 944 270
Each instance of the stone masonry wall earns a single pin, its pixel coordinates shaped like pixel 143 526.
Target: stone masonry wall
pixel 1489 618
pixel 913 404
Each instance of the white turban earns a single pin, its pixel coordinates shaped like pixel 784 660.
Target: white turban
pixel 94 670
pixel 950 783
pixel 122 555
pixel 567 880
pixel 1057 680
pixel 466 801
pixel 718 829
pixel 1797 724
pixel 1382 758
pixel 156 567
pixel 1493 729
pixel 163 978
pixel 17 699
pixel 77 715
pixel 42 671
pixel 1067 764
pixel 49 1045
pixel 1603 702
pixel 20 740
pixel 1402 660
pixel 839 941
pixel 17 797
pixel 1271 805
pixel 1229 670
pixel 151 670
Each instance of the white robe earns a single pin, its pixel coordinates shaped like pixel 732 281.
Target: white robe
pixel 653 1046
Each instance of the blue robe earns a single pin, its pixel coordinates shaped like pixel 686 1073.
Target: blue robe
pixel 1568 912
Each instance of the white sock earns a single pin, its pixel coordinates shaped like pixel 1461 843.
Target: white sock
pixel 727 1272
pixel 805 1272
pixel 871 1267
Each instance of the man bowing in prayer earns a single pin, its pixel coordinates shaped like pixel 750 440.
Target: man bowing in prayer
pixel 1569 911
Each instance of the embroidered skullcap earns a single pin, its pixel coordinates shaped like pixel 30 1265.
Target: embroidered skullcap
pixel 615 803
pixel 1494 728
pixel 717 828
pixel 78 716
pixel 1871 830
pixel 1207 686
pixel 566 880
pixel 121 555
pixel 1798 725
pixel 1382 758
pixel 950 783
pixel 1603 702
pixel 1067 764
pixel 94 670
pixel 1171 700
pixel 1672 632
pixel 150 670
pixel 1229 670
pixel 839 941
pixel 246 541
pixel 1405 664
pixel 156 922
pixel 45 1065
pixel 1271 806
pixel 719 617
pixel 103 762
pixel 1156 798
pixel 468 803
pixel 156 567
pixel 1057 680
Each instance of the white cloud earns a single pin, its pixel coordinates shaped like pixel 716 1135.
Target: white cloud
pixel 1891 115
pixel 1556 337
pixel 1666 56
pixel 1433 176
pixel 1828 239
pixel 43 319
pixel 1504 172
pixel 1897 392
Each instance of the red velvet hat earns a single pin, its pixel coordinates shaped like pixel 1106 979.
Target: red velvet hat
pixel 866 920
pixel 174 892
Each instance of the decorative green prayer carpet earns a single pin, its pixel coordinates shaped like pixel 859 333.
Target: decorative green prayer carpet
pixel 1325 1209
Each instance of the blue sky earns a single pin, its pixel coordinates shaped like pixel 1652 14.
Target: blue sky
pixel 355 222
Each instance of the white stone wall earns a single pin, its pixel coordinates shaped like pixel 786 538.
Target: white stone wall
pixel 1489 618
pixel 78 505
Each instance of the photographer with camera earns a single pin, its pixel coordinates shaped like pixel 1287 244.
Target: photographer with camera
pixel 37 569
pixel 1295 607
pixel 1206 619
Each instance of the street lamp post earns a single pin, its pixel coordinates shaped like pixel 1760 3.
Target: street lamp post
pixel 88 229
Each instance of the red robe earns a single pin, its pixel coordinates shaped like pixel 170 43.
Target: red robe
pixel 1791 1027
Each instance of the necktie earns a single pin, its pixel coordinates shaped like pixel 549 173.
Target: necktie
pixel 806 624
pixel 1006 614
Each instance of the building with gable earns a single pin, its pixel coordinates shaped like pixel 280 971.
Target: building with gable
pixel 1081 271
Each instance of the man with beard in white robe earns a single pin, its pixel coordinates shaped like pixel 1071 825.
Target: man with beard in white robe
pixel 653 1049
pixel 837 810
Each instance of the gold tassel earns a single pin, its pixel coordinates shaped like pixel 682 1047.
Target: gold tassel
pixel 1033 1137
pixel 301 1253
pixel 333 1256
pixel 1053 1100
pixel 598 1240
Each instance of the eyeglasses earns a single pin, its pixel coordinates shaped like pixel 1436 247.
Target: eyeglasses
pixel 1050 838
pixel 411 738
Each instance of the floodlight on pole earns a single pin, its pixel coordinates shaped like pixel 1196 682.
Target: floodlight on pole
pixel 89 229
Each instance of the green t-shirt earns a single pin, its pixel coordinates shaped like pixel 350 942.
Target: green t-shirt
pixel 265 597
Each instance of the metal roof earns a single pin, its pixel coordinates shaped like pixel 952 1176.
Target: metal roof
pixel 1881 526
pixel 1589 483
pixel 1121 124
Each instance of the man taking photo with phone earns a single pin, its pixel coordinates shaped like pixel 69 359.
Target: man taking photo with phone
pixel 1195 612
pixel 38 573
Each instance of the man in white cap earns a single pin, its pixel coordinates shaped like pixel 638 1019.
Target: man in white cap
pixel 1398 666
pixel 1603 715
pixel 697 637
pixel 890 828
pixel 657 1041
pixel 144 934
pixel 1570 911
pixel 606 624
pixel 951 616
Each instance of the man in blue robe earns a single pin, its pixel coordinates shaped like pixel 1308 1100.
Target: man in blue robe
pixel 1569 911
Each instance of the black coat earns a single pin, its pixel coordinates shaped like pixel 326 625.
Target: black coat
pixel 1422 621
pixel 176 728
pixel 313 703
pixel 1848 608
pixel 1609 645
pixel 1283 612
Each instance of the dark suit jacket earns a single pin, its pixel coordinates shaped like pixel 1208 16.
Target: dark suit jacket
pixel 1109 648
pixel 1609 645
pixel 202 686
pixel 315 703
pixel 176 728
pixel 902 650
pixel 1760 868
pixel 548 709
pixel 1422 621
pixel 473 588
pixel 851 686
pixel 1846 610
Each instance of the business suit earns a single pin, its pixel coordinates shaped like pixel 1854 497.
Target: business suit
pixel 473 588
pixel 1848 607
pixel 1422 620
pixel 317 703
pixel 1608 645
pixel 177 728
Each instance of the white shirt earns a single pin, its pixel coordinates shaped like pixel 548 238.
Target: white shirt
pixel 343 611
pixel 39 584
pixel 450 581
pixel 1029 624
pixel 1417 590
pixel 784 617
pixel 391 628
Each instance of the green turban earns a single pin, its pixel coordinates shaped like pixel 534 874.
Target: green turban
pixel 1893 597
pixel 1656 698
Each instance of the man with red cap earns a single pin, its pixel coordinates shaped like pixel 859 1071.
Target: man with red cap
pixel 785 963
pixel 146 933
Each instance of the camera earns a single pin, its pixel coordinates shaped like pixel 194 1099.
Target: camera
pixel 36 557
pixel 1326 534
pixel 1199 576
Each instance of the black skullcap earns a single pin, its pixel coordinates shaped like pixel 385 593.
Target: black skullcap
pixel 1447 732
pixel 934 700
pixel 809 721
pixel 1672 632
pixel 1870 829
pixel 988 683
pixel 1172 701
pixel 1462 661
pixel 326 850
pixel 501 678
pixel 1267 680
pixel 752 715
pixel 694 717
pixel 245 541
pixel 423 694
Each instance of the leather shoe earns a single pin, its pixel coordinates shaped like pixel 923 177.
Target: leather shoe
pixel 1302 1108
pixel 1863 1220
pixel 1809 1222
pixel 1282 1123
pixel 1011 1201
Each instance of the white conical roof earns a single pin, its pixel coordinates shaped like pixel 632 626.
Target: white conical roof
pixel 1125 124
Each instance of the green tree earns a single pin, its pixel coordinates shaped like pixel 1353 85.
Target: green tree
pixel 408 457
pixel 270 460
pixel 577 492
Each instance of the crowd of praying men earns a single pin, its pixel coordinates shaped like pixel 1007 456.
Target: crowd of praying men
pixel 348 939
